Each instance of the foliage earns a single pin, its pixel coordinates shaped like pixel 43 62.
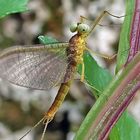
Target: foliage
pixel 99 78
pixel 126 129
pixel 12 6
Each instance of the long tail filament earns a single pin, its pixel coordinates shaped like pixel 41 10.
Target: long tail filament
pixel 32 128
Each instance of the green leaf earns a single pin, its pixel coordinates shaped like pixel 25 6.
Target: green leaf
pixel 126 129
pixel 125 36
pixel 47 40
pixel 95 75
pixel 12 6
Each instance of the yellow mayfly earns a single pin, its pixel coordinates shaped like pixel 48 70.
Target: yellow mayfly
pixel 45 66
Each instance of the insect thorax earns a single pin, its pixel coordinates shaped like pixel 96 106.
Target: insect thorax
pixel 77 47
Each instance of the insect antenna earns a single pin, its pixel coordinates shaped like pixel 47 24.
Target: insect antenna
pixel 32 128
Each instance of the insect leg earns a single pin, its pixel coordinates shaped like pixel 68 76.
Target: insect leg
pixel 83 72
pixel 101 55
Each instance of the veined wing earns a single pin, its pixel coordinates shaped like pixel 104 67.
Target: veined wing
pixel 36 67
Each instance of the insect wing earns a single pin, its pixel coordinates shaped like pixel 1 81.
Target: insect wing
pixel 36 67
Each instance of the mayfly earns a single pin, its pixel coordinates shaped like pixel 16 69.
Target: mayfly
pixel 45 66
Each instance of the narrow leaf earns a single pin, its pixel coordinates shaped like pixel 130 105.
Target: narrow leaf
pixel 124 45
pixel 135 31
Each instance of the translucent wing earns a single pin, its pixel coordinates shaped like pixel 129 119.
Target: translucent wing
pixel 37 67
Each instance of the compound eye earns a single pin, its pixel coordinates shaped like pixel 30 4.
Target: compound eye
pixel 73 27
pixel 83 28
